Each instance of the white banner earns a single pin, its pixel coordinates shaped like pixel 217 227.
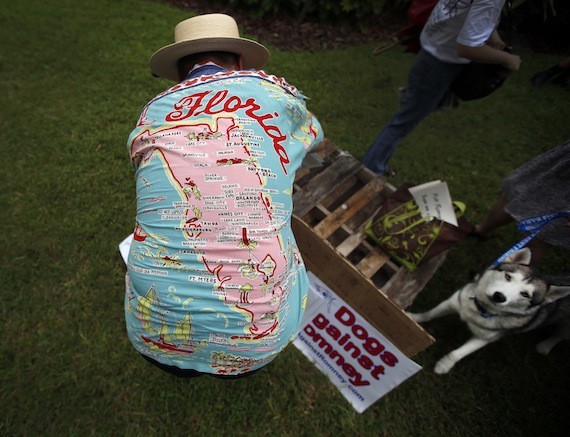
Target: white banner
pixel 357 358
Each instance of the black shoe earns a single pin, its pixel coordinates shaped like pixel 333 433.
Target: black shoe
pixel 542 77
pixel 561 79
pixel 389 172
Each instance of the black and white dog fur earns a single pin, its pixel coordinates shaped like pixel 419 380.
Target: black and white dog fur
pixel 509 298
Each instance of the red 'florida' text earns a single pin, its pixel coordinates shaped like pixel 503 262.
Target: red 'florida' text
pixel 205 103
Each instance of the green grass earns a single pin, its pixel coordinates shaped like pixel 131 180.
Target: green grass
pixel 73 78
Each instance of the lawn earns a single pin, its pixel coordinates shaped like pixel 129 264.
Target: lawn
pixel 73 79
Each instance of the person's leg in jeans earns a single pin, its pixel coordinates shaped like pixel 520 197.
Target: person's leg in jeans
pixel 428 81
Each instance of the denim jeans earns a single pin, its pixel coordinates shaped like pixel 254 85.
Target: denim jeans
pixel 428 81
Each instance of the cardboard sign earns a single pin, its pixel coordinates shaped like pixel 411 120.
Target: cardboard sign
pixel 356 358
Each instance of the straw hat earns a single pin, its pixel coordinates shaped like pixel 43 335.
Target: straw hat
pixel 206 33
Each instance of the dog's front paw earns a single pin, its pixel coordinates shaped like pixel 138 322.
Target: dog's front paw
pixel 444 365
pixel 544 347
pixel 418 317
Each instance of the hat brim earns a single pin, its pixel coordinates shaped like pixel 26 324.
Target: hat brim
pixel 164 62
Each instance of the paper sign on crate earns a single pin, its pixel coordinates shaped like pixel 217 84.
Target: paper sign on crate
pixel 356 358
pixel 434 200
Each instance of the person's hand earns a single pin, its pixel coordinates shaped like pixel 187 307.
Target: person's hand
pixel 512 63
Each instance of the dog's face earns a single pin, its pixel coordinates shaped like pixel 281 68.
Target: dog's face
pixel 510 288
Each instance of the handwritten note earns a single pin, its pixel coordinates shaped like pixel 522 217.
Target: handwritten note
pixel 434 200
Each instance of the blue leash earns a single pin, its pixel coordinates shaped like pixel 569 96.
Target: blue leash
pixel 533 225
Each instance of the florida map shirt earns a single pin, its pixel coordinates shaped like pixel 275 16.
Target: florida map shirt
pixel 215 281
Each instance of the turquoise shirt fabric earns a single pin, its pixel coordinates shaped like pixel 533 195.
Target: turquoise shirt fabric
pixel 215 281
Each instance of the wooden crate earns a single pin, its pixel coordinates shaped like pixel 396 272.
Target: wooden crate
pixel 332 204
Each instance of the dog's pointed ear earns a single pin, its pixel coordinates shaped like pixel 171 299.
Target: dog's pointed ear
pixel 521 256
pixel 556 292
pixel 475 275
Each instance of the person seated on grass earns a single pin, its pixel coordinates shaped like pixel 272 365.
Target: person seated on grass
pixel 537 188
pixel 215 282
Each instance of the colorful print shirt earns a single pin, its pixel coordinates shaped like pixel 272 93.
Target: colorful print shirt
pixel 215 281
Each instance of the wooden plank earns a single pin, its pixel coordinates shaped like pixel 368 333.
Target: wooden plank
pixel 328 148
pixel 301 173
pixel 367 212
pixel 340 191
pixel 350 243
pixel 325 213
pixel 371 263
pixel 404 286
pixel 324 183
pixel 358 291
pixel 340 215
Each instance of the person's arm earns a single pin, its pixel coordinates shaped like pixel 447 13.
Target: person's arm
pixel 479 40
pixel 489 55
pixel 496 41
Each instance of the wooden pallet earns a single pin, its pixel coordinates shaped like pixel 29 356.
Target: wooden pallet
pixel 331 206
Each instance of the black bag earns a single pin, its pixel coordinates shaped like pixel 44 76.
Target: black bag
pixel 478 80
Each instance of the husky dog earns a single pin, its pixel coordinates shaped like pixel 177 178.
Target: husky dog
pixel 509 298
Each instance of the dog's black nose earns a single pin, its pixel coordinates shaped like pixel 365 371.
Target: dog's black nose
pixel 499 297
